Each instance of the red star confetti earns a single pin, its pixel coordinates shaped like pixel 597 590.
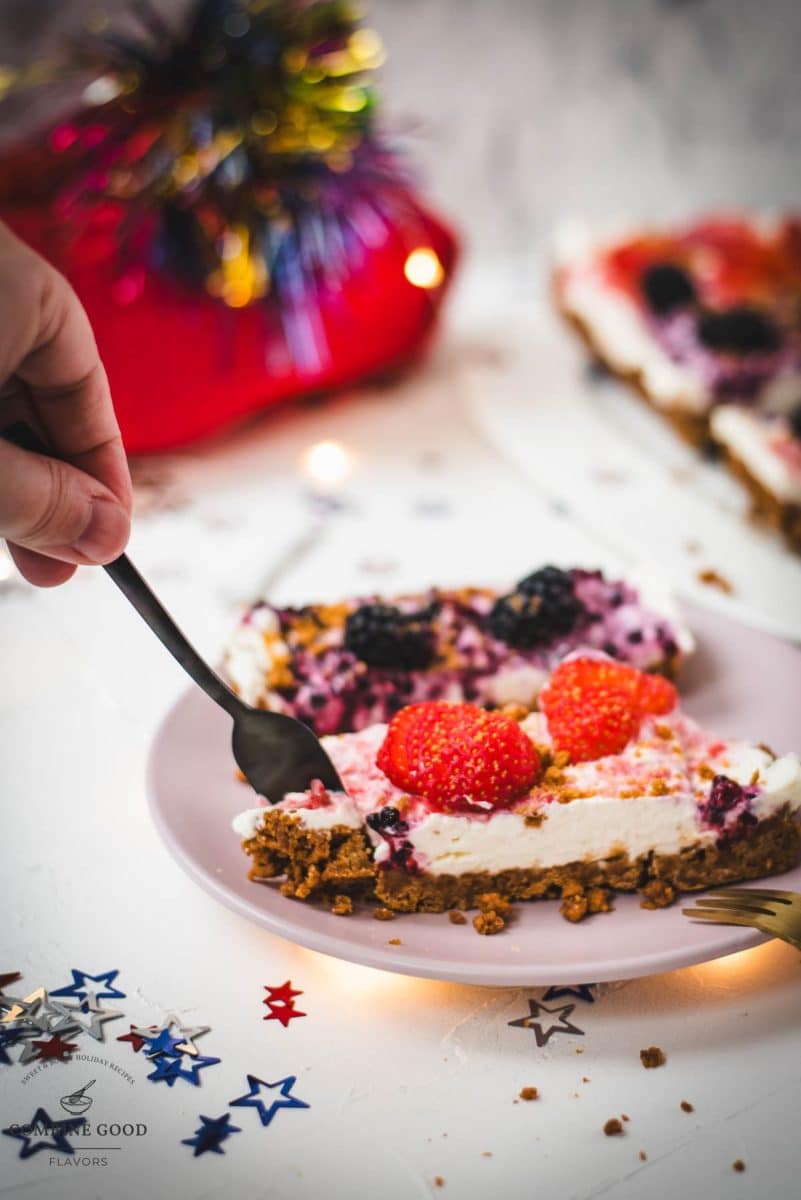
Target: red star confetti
pixel 283 1013
pixel 282 994
pixel 136 1039
pixel 56 1049
pixel 9 977
pixel 281 1003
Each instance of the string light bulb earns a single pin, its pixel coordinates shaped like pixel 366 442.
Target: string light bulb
pixel 423 268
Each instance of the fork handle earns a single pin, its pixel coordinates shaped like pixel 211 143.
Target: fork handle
pixel 146 603
pixel 150 608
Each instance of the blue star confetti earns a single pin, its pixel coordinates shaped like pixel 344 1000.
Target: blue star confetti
pixel 169 1069
pixel 163 1043
pixel 544 1029
pixel 212 1132
pixel 41 1123
pixel 77 990
pixel 252 1098
pixel 582 991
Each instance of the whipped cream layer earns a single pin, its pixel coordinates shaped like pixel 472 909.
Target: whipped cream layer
pixel 655 796
pixel 664 353
pixel 766 447
pixel 295 661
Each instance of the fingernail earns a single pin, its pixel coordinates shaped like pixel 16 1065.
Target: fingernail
pixel 106 533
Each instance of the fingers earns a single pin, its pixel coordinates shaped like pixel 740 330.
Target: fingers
pixel 52 508
pixel 39 570
pixel 47 342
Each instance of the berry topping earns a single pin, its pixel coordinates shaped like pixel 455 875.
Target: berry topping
pixel 666 288
pixel 383 636
pixel 724 794
pixel 387 819
pixel 740 330
pixel 457 754
pixel 795 421
pixel 595 707
pixel 541 607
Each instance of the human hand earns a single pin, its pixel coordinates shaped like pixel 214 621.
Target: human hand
pixel 73 509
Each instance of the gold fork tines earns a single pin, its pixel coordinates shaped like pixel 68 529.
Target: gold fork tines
pixel 771 911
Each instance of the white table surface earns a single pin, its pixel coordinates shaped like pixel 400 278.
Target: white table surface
pixel 407 1079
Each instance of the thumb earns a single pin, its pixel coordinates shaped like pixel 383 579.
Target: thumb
pixel 56 509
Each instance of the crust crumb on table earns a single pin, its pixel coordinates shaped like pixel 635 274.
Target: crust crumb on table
pixel 456 917
pixel 439 1181
pixel 652 1056
pixel 394 942
pixel 643 1156
pixel 613 1127
pixel 738 1165
pixel 686 1106
pixel 342 906
pixel 494 902
pixel 625 1117
pixel 383 914
pixel 486 1154
pixel 529 1093
pixel 713 578
pixel 585 1079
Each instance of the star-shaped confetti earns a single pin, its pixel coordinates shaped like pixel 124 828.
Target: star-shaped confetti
pixel 282 994
pixel 545 1029
pixel 170 1069
pixel 8 1037
pixel 252 1099
pixel 70 1017
pixel 212 1132
pixel 77 990
pixel 9 977
pixel 55 1049
pixel 41 1123
pixel 163 1043
pixel 582 991
pixel 136 1039
pixel 188 1033
pixel 281 1003
pixel 24 1011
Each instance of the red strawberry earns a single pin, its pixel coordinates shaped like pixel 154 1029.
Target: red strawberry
pixel 453 754
pixel 590 724
pixel 594 707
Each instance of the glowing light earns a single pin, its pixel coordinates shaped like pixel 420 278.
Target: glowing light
pixel 423 268
pixel 101 90
pixel 366 47
pixel 327 464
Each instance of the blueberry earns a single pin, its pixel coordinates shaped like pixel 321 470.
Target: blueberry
pixel 387 819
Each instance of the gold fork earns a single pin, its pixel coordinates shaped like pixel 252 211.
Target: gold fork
pixel 771 911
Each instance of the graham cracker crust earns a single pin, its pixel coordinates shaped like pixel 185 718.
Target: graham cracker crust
pixel 765 507
pixel 691 427
pixel 322 864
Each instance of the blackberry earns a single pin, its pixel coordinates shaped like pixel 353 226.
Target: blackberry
pixel 542 606
pixel 741 330
pixel 666 288
pixel 387 819
pixel 795 421
pixel 383 636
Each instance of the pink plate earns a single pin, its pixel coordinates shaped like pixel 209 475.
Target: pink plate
pixel 741 682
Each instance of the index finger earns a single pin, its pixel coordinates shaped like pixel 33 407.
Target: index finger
pixel 49 344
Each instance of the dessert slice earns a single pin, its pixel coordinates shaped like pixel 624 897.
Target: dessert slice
pixel 343 667
pixel 608 787
pixel 693 317
pixel 764 450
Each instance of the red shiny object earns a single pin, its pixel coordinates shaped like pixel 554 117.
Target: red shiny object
pixel 183 365
pixel 55 1049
